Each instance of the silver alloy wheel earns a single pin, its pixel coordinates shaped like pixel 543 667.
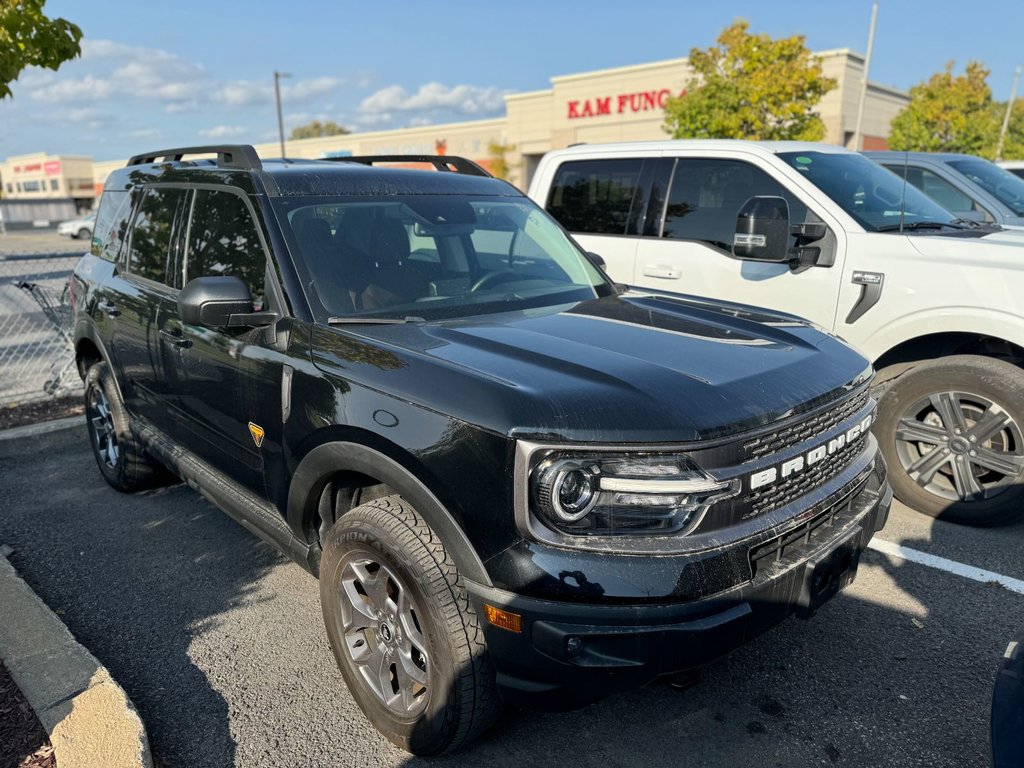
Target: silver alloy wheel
pixel 960 446
pixel 383 635
pixel 103 430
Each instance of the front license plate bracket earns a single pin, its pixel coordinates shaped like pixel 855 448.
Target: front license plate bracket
pixel 827 573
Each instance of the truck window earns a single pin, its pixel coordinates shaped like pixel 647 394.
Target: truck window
pixel 149 254
pixel 223 240
pixel 706 195
pixel 937 188
pixel 595 196
pixel 111 224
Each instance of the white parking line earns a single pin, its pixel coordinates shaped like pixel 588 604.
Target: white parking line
pixel 950 566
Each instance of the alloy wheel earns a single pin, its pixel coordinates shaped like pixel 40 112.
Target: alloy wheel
pixel 103 431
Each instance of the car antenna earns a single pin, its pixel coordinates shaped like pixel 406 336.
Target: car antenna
pixel 903 194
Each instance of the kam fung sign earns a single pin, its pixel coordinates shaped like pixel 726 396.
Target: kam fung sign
pixel 641 101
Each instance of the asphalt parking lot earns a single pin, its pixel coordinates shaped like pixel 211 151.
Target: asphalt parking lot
pixel 219 642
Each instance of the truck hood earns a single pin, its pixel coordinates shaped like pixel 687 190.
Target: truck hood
pixel 629 368
pixel 1005 246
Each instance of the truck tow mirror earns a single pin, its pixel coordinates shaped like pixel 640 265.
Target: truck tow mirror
pixel 219 302
pixel 762 230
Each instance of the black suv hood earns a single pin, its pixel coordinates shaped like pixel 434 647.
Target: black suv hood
pixel 629 368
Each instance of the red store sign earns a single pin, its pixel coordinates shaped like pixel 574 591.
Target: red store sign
pixel 51 167
pixel 642 101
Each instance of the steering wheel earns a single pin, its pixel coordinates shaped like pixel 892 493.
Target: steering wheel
pixel 493 278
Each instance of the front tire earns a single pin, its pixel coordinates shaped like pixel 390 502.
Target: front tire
pixel 122 460
pixel 402 629
pixel 952 433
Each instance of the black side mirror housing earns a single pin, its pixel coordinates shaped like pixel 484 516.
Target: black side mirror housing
pixel 219 302
pixel 762 230
pixel 597 260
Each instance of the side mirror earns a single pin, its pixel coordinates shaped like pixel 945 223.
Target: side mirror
pixel 596 260
pixel 977 216
pixel 219 302
pixel 762 230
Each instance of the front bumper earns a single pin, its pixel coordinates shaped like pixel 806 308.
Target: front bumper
pixel 570 654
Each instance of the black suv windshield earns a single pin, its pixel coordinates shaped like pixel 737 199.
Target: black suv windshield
pixel 999 182
pixel 432 256
pixel 868 192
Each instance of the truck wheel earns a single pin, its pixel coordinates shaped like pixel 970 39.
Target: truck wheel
pixel 121 459
pixel 404 634
pixel 951 433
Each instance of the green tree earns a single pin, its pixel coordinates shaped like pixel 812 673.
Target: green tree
pixel 316 130
pixel 949 113
pixel 1013 147
pixel 28 38
pixel 751 87
pixel 497 159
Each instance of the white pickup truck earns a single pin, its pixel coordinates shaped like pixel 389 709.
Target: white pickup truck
pixel 936 302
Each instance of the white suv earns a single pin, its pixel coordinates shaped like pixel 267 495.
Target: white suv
pixel 824 233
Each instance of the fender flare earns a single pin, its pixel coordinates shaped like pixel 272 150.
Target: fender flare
pixel 316 468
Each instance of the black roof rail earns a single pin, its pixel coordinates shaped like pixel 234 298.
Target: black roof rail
pixel 450 163
pixel 241 156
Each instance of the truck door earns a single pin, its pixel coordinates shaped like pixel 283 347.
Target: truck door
pixel 687 248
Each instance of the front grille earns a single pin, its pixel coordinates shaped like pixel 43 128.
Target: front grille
pixel 804 430
pixel 795 486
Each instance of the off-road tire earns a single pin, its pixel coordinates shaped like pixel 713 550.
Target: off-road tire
pixel 969 381
pixel 462 700
pixel 133 469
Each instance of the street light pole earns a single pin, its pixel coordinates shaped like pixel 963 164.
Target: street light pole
pixel 1006 117
pixel 864 80
pixel 277 97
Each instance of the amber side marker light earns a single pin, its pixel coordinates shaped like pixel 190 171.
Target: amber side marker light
pixel 513 622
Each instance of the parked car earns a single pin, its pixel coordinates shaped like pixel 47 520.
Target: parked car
pixel 1016 167
pixel 825 233
pixel 78 229
pixel 966 185
pixel 515 481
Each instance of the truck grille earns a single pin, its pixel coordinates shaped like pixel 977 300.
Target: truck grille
pixel 773 442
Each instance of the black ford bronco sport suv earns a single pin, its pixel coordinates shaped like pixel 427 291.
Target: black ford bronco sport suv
pixel 515 480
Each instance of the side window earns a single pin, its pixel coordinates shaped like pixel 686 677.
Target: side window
pixel 937 188
pixel 594 196
pixel 149 252
pixel 706 195
pixel 223 240
pixel 111 224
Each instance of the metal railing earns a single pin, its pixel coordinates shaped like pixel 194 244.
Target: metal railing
pixel 36 354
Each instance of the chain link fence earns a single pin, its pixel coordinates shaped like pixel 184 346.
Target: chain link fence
pixel 36 355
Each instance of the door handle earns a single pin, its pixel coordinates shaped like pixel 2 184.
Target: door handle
pixel 108 308
pixel 870 292
pixel 174 336
pixel 658 270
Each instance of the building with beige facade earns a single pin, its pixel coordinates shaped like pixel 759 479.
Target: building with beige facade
pixel 619 104
pixel 39 176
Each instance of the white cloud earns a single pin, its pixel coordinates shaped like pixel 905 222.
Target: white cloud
pixel 223 132
pixel 458 99
pixel 418 122
pixel 88 88
pixel 303 90
pixel 242 93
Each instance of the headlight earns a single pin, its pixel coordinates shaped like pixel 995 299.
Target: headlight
pixel 622 494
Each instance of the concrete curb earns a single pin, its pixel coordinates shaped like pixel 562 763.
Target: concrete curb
pixel 89 717
pixel 42 428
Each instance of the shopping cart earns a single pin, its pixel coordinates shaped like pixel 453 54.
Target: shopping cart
pixel 57 310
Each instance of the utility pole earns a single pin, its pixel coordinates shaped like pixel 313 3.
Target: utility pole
pixel 277 97
pixel 864 81
pixel 1006 117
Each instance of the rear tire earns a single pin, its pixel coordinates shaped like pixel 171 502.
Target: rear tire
pixel 83 234
pixel 952 433
pixel 403 631
pixel 122 460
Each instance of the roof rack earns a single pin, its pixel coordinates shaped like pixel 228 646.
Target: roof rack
pixel 241 156
pixel 448 163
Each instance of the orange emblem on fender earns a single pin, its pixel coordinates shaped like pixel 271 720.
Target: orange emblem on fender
pixel 257 433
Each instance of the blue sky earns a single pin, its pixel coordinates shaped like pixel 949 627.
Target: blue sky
pixel 185 72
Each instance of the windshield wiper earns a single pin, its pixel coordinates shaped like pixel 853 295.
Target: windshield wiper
pixel 912 225
pixel 374 320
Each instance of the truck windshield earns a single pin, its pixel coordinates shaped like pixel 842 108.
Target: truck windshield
pixel 999 182
pixel 409 257
pixel 873 196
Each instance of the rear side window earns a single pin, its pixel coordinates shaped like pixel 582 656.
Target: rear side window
pixel 937 188
pixel 706 196
pixel 595 196
pixel 111 224
pixel 150 250
pixel 223 240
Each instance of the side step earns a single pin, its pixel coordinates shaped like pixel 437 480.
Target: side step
pixel 252 512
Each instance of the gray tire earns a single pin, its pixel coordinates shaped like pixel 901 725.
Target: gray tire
pixel 952 433
pixel 403 631
pixel 120 457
